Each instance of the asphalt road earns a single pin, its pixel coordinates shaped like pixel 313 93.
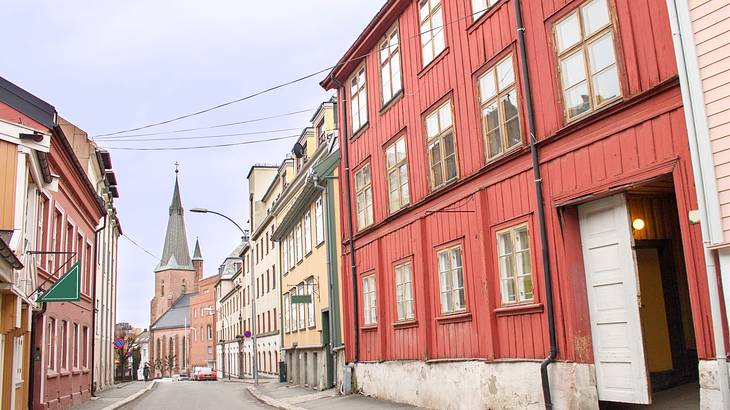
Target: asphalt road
pixel 189 395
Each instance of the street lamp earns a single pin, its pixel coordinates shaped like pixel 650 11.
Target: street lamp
pixel 253 287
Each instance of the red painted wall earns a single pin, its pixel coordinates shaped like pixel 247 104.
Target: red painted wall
pixel 638 138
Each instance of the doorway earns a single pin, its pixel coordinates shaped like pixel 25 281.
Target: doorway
pixel 638 297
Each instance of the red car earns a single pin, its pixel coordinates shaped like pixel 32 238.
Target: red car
pixel 204 375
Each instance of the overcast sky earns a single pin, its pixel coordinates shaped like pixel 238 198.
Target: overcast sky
pixel 109 66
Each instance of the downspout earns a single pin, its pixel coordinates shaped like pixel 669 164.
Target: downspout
pixel 93 304
pixel 344 143
pixel 31 368
pixel 540 209
pixel 330 290
pixel 703 171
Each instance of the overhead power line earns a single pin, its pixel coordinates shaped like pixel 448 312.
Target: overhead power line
pixel 204 136
pixel 233 144
pixel 229 124
pixel 139 246
pixel 281 85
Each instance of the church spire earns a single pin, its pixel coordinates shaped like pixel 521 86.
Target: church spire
pixel 197 255
pixel 175 253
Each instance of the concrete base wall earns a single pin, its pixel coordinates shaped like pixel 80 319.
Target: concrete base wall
pixel 307 367
pixel 473 384
pixel 710 396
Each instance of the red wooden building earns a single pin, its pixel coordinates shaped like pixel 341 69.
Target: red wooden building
pixel 453 308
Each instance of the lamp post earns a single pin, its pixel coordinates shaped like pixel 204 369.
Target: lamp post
pixel 253 289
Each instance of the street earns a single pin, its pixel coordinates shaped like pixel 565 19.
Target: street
pixel 197 396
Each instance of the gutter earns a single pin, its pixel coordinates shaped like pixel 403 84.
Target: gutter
pixel 92 388
pixel 540 209
pixel 345 146
pixel 703 172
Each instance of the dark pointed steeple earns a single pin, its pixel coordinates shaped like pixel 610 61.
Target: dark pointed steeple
pixel 197 255
pixel 176 254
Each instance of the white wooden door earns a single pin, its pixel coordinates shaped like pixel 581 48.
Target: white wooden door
pixel 613 300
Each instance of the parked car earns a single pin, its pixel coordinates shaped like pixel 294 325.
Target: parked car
pixel 206 374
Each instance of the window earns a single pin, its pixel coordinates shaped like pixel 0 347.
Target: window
pixel 451 280
pixel 432 29
pixel 390 75
pixel 310 291
pixel 300 254
pixel 397 170
pixel 358 100
pixel 287 312
pixel 76 346
pixel 51 343
pixel 498 100
pixel 210 332
pixel 479 7
pixel 300 314
pixel 285 253
pixel 369 302
pixel 404 291
pixel 364 197
pixel 318 221
pixel 41 228
pixel 85 347
pixel 308 232
pixel 586 59
pixel 63 346
pixel 515 264
pixel 273 276
pixel 291 250
pixel 441 146
pixel 88 268
pixel 53 261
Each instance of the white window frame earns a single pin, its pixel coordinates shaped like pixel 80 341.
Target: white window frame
pixel 511 273
pixel 311 317
pixel 582 45
pixel 319 221
pixel 397 165
pixel 298 233
pixel 391 81
pixel 432 33
pixel 480 7
pixel 452 296
pixel 405 307
pixel 358 99
pixel 496 86
pixel 438 136
pixel 364 196
pixel 301 316
pixel 369 300
pixel 308 232
pixel 287 312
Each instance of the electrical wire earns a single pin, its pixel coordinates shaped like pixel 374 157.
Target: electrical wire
pixel 284 84
pixel 205 128
pixel 206 136
pixel 139 246
pixel 233 144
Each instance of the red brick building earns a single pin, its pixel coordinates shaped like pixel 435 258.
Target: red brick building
pixel 481 253
pixel 202 322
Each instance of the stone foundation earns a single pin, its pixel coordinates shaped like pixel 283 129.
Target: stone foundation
pixel 476 384
pixel 710 396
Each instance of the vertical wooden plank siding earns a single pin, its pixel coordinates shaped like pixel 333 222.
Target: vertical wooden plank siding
pixel 8 173
pixel 640 137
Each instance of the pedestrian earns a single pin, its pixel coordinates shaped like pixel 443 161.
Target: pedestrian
pixel 146 371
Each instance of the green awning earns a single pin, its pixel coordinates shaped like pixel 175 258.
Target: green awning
pixel 66 289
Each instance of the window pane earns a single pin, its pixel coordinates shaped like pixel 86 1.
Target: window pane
pixel 577 100
pixel 568 32
pixel 487 88
pixel 432 128
pixel 573 69
pixel 395 73
pixel 600 53
pixel 424 9
pixel 437 24
pixel 400 148
pixel 435 151
pixel 508 290
pixel 491 116
pixel 505 74
pixel 522 239
pixel 595 16
pixel 504 243
pixel 606 85
pixel 385 76
pixel 445 116
pixel 390 156
pixel 513 133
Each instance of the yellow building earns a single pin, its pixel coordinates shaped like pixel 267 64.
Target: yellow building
pixel 307 231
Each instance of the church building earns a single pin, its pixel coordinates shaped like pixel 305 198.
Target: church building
pixel 177 280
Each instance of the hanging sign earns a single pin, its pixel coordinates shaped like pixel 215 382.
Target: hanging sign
pixel 66 289
pixel 301 298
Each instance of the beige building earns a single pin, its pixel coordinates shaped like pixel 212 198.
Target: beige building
pixel 264 261
pixel 229 316
pixel 302 232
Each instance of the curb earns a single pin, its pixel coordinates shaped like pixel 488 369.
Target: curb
pixel 131 398
pixel 271 401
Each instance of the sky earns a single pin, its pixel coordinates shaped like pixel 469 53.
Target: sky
pixel 110 66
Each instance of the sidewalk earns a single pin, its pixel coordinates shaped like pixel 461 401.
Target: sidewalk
pixel 288 397
pixel 115 396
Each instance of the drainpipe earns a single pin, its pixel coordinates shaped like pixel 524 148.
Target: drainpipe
pixel 93 304
pixel 31 369
pixel 344 143
pixel 703 172
pixel 540 209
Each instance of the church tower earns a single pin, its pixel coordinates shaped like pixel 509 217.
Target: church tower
pixel 175 274
pixel 198 262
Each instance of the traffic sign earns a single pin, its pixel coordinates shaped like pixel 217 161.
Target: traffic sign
pixel 119 343
pixel 247 334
